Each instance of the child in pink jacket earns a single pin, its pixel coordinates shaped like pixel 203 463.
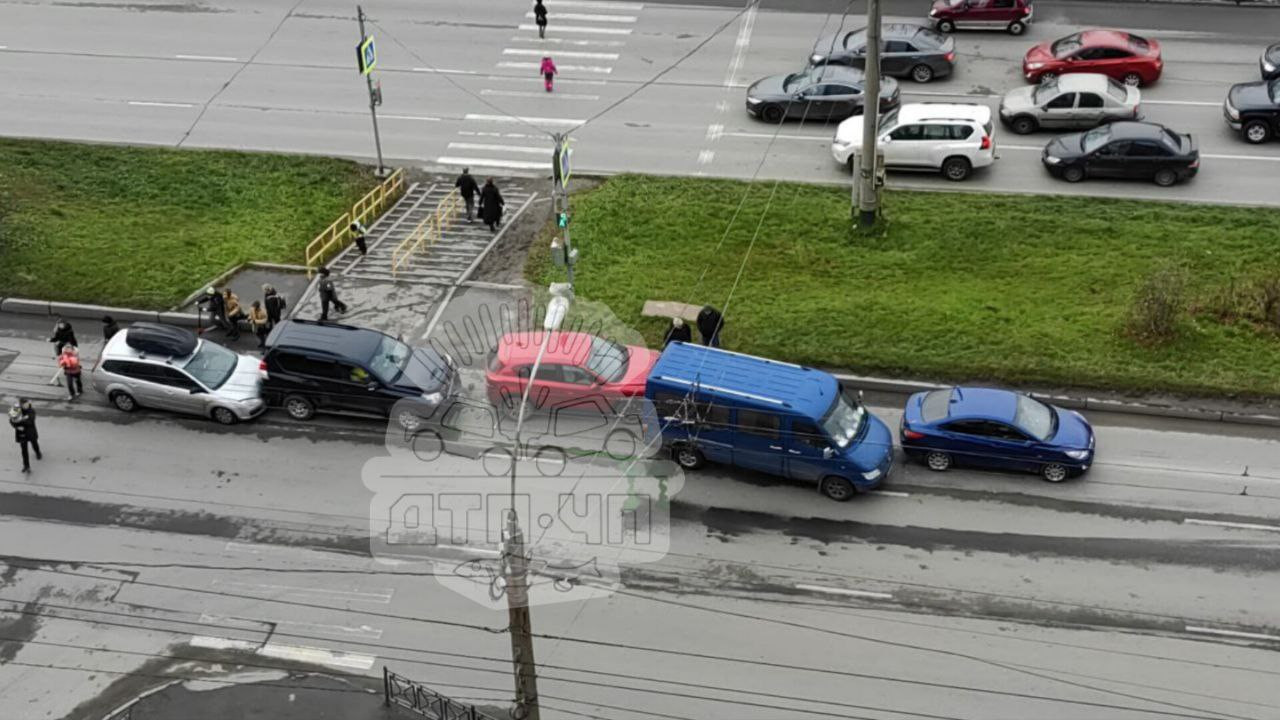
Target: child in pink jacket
pixel 548 72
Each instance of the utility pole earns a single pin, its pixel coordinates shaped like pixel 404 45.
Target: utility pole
pixel 562 251
pixel 367 59
pixel 868 193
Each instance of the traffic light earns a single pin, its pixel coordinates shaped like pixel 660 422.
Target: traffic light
pixel 563 219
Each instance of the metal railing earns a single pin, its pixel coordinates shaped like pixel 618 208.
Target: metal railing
pixel 428 232
pixel 338 235
pixel 400 690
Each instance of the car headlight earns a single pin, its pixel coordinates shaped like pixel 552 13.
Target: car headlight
pixel 1077 454
pixel 1268 66
pixel 434 398
pixel 753 101
pixel 1232 113
pixel 816 59
pixel 933 13
pixel 1052 160
pixel 1035 65
pixel 871 475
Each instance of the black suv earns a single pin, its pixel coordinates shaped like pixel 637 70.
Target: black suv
pixel 310 366
pixel 1254 110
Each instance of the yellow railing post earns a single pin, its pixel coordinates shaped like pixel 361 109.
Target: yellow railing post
pixel 337 235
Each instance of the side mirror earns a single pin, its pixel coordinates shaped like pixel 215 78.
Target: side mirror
pixel 196 391
pixel 886 140
pixel 828 453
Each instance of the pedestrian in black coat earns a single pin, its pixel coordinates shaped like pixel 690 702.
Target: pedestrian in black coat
pixel 678 332
pixel 491 203
pixel 62 336
pixel 109 327
pixel 710 325
pixel 216 305
pixel 468 188
pixel 23 419
pixel 540 17
pixel 274 304
pixel 329 296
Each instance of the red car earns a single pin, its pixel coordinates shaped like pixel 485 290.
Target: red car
pixel 1012 16
pixel 1122 56
pixel 574 366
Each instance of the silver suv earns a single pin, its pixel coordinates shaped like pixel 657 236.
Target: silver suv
pixel 169 368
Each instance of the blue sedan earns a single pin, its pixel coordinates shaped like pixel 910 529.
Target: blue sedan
pixel 996 429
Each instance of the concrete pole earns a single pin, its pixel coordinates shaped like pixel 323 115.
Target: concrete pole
pixel 373 106
pixel 869 195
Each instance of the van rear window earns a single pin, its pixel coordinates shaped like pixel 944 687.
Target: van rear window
pixel 936 405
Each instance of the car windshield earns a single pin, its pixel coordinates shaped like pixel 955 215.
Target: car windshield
pixel 843 421
pixel 933 37
pixel 1035 418
pixel 795 80
pixel 608 359
pixel 1066 46
pixel 1117 91
pixel 1275 91
pixel 1139 44
pixel 889 120
pixel 1046 91
pixel 1172 139
pixel 1095 138
pixel 212 365
pixel 389 359
pixel 855 40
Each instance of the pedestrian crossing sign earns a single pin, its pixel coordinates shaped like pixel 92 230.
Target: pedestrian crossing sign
pixel 366 56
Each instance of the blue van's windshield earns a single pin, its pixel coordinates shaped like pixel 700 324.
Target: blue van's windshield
pixel 843 421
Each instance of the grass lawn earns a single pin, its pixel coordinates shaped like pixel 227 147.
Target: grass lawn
pixel 960 287
pixel 143 227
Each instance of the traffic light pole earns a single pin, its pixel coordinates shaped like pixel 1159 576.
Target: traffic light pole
pixel 560 196
pixel 868 193
pixel 373 105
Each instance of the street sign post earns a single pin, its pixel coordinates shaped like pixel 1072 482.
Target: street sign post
pixel 560 165
pixel 366 56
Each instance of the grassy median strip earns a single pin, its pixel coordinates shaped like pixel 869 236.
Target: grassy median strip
pixel 143 227
pixel 960 287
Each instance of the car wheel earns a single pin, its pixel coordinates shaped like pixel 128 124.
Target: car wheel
pixel 956 168
pixel 771 114
pixel 408 420
pixel 922 73
pixel 1024 125
pixel 1257 132
pixel 837 488
pixel 938 461
pixel 1017 27
pixel 946 26
pixel 688 457
pixel 1054 472
pixel 1133 80
pixel 1048 78
pixel 1166 177
pixel 224 416
pixel 124 401
pixel 299 408
pixel 1073 173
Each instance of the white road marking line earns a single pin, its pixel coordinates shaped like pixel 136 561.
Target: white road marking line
pixel 1019 147
pixel 364 631
pixel 1236 525
pixel 217 643
pixel 525 136
pixel 521 93
pixel 706 156
pixel 410 117
pixel 576 29
pixel 468 548
pixel 141 103
pixel 1181 102
pixel 218 58
pixel 842 591
pixel 587 17
pixel 740 46
pixel 561 53
pixel 714 131
pixel 501 148
pixel 446 71
pixel 599 69
pixel 596 5
pixel 824 138
pixel 564 83
pixel 299 653
pixel 1145 101
pixel 494 162
pixel 1259 158
pixel 1232 633
pixel 382 596
pixel 890 493
pixel 521 118
pixel 566 41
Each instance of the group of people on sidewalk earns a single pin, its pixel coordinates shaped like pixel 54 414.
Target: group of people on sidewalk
pixel 710 325
pixel 491 202
pixel 226 312
pixel 66 351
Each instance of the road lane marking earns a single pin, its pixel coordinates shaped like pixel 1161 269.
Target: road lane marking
pixel 740 46
pixel 215 58
pixel 1145 101
pixel 889 493
pixel 142 103
pixel 1258 158
pixel 525 136
pixel 706 156
pixel 842 591
pixel 714 131
pixel 562 53
pixel 564 83
pixel 1200 103
pixel 318 656
pixel 493 162
pixel 598 69
pixel 575 29
pixel 1232 633
pixel 597 5
pixel 423 118
pixel 446 71
pixel 1236 525
pixel 588 17
pixel 1036 148
pixel 380 596
pixel 501 148
pixel 521 93
pixel 567 41
pixel 364 631
pixel 521 118
pixel 780 136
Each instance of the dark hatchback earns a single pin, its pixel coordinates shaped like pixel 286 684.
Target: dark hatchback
pixel 1253 109
pixel 825 92
pixel 1269 63
pixel 912 51
pixel 317 366
pixel 1129 150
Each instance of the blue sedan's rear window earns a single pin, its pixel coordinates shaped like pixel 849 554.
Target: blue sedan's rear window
pixel 936 405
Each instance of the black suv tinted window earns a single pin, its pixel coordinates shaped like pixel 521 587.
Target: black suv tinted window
pixel 309 366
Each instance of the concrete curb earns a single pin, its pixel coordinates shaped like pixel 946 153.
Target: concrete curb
pixel 908 387
pixel 23 306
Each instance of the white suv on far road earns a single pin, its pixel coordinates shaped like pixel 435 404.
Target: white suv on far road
pixel 953 138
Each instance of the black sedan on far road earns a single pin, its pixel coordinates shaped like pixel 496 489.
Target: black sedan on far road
pixel 826 92
pixel 912 51
pixel 1130 150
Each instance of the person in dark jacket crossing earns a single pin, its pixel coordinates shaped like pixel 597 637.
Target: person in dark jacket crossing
pixel 329 296
pixel 217 307
pixel 540 17
pixel 491 203
pixel 22 417
pixel 468 188
pixel 274 304
pixel 710 325
pixel 109 327
pixel 62 336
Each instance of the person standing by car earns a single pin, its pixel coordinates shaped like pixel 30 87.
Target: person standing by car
pixel 109 327
pixel 468 188
pixel 22 417
pixel 491 203
pixel 540 17
pixel 678 332
pixel 235 314
pixel 274 304
pixel 548 71
pixel 62 336
pixel 259 323
pixel 329 296
pixel 217 307
pixel 69 361
pixel 710 325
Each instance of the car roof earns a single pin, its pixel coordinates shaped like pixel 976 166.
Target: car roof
pixel 844 73
pixel 1137 131
pixel 982 403
pixel 751 381
pixel 118 348
pixel 896 30
pixel 1087 82
pixel 571 348
pixel 920 112
pixel 323 338
pixel 1105 38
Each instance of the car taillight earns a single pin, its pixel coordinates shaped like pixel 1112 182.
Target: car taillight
pixel 632 391
pixel 1026 9
pixel 951 56
pixel 912 435
pixel 262 368
pixel 1195 164
pixel 986 142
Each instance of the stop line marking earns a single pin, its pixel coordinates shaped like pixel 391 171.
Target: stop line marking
pixel 842 591
pixel 299 653
pixel 1231 633
pixel 1236 525
pixel 561 53
pixel 582 29
pixel 522 118
pixel 215 58
pixel 143 103
pixel 599 69
pixel 586 17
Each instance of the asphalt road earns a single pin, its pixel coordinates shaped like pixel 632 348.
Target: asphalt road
pixel 279 76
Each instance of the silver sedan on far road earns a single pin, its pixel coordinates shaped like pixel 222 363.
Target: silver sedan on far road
pixel 1077 102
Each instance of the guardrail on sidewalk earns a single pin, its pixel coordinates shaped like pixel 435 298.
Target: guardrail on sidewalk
pixel 428 232
pixel 400 690
pixel 336 236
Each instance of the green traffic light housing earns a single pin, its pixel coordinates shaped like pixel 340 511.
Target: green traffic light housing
pixel 563 219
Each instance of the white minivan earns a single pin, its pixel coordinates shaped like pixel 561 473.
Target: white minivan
pixel 951 138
